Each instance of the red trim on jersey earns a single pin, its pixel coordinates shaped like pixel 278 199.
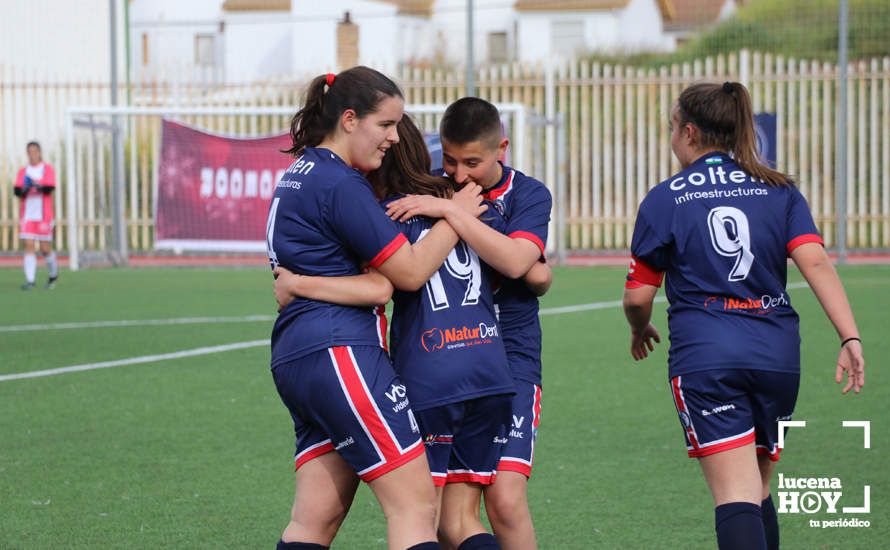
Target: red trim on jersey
pixel 681 406
pixel 803 239
pixel 510 465
pixel 388 250
pixel 471 477
pixel 529 236
pixel 735 443
pixel 363 404
pixel 380 313
pixel 391 465
pixel 641 273
pixel 498 192
pixel 312 452
pixel 773 456
pixel 536 410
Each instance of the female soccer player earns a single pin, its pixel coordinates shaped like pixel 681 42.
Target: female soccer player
pixel 34 184
pixel 721 229
pixel 472 143
pixel 456 375
pixel 328 361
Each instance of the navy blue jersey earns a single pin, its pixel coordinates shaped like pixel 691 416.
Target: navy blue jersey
pixel 324 220
pixel 723 239
pixel 525 203
pixel 446 342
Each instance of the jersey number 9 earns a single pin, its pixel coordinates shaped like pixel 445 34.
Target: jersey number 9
pixel 731 237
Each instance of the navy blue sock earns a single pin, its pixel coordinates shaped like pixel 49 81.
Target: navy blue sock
pixel 432 545
pixel 739 526
pixel 299 546
pixel 482 541
pixel 770 523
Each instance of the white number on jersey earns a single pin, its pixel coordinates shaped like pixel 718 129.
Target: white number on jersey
pixel 464 266
pixel 731 237
pixel 270 230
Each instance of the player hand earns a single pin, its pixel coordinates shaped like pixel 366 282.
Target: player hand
pixel 286 284
pixel 641 343
pixel 418 205
pixel 850 360
pixel 469 199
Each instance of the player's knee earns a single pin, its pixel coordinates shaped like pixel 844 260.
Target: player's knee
pixel 321 521
pixel 505 503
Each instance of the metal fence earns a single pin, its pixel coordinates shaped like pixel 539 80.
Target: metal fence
pixel 614 127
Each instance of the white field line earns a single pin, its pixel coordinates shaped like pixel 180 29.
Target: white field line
pixel 226 347
pixel 135 360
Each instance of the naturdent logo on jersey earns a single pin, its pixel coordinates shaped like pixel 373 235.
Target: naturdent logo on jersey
pixel 457 337
pixel 760 306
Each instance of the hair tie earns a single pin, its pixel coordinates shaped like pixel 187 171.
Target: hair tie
pixel 727 87
pixel 329 79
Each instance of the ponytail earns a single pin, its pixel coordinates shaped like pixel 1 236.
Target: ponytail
pixel 724 116
pixel 308 127
pixel 327 96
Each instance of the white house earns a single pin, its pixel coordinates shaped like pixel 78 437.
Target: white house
pixel 244 40
pixel 548 28
pixel 43 40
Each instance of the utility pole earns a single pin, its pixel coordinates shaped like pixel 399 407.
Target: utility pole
pixel 471 63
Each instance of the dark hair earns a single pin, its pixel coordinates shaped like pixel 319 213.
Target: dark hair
pixel 359 88
pixel 723 114
pixel 406 167
pixel 35 144
pixel 471 119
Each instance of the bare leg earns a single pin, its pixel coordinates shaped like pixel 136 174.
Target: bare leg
pixel 733 475
pixel 506 503
pixel 325 487
pixel 460 513
pixel 408 499
pixel 766 467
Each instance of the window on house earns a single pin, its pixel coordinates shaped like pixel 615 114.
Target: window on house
pixel 497 47
pixel 567 37
pixel 204 49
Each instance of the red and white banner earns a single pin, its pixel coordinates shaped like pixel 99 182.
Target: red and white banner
pixel 214 191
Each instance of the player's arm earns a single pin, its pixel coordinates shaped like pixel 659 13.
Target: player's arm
pixel 367 289
pixel 511 257
pixel 640 289
pixel 412 265
pixel 638 311
pixel 48 184
pixel 22 184
pixel 539 278
pixel 817 269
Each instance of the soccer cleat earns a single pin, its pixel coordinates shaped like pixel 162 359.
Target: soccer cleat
pixel 50 283
pixel 27 286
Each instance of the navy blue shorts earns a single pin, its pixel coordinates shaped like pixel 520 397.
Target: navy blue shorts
pixel 519 452
pixel 349 399
pixel 463 440
pixel 727 408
